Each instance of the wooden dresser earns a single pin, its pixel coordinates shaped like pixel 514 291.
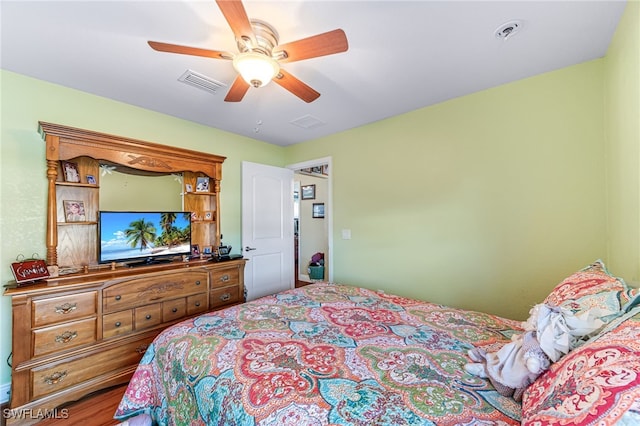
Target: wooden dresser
pixel 87 327
pixel 76 335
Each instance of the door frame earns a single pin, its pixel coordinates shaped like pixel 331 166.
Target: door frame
pixel 328 209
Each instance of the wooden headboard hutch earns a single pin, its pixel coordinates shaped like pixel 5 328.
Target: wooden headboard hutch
pixel 88 325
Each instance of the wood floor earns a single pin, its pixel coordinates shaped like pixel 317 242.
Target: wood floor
pixel 95 410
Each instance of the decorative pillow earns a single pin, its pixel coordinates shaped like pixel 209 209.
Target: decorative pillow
pixel 597 383
pixel 593 287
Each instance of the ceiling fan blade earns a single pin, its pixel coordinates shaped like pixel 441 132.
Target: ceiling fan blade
pixel 237 91
pixel 296 86
pixel 186 50
pixel 311 47
pixel 237 18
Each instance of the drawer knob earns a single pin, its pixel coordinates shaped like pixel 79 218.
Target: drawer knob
pixel 148 317
pixel 66 337
pixel 224 278
pixel 198 282
pixel 174 310
pixel 118 297
pixel 55 378
pixel 197 304
pixel 118 324
pixel 225 297
pixel 66 308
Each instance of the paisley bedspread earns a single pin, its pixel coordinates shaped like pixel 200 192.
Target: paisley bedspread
pixel 324 354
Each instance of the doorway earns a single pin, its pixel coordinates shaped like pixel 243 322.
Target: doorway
pixel 312 220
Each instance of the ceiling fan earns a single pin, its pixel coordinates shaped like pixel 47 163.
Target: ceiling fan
pixel 260 55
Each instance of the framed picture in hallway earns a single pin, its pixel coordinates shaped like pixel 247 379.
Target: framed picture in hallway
pixel 308 192
pixel 318 211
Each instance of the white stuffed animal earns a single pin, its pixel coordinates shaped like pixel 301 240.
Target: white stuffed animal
pixel 549 333
pixel 512 368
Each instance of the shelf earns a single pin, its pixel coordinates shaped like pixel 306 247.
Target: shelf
pixel 78 184
pixel 200 193
pixel 77 223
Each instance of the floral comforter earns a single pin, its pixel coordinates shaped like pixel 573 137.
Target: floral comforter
pixel 323 354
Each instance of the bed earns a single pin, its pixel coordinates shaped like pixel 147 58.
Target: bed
pixel 331 354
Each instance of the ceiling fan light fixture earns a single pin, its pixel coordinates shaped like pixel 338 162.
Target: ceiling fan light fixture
pixel 255 68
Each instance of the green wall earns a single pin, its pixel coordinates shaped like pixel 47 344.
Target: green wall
pixel 481 202
pixel 23 185
pixel 622 134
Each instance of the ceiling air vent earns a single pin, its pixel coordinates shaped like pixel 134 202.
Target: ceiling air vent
pixel 200 81
pixel 308 122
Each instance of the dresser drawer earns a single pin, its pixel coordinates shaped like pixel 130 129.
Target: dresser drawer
pixel 64 308
pixel 225 277
pixel 52 379
pixel 148 316
pixel 174 309
pixel 117 323
pixel 224 296
pixel 156 288
pixel 64 336
pixel 197 304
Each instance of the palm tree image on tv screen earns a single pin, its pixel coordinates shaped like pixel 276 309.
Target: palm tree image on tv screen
pixel 134 235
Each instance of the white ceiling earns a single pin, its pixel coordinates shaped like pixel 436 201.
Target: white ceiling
pixel 402 55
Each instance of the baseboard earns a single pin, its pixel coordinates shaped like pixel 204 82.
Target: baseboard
pixel 5 391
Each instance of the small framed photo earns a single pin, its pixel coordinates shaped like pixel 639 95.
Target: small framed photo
pixel 308 192
pixel 202 185
pixel 74 211
pixel 206 250
pixel 208 215
pixel 318 211
pixel 195 250
pixel 91 180
pixel 188 187
pixel 70 171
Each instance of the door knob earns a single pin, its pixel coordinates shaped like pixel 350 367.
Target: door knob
pixel 247 248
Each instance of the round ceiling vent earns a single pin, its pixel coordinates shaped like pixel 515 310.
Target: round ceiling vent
pixel 508 29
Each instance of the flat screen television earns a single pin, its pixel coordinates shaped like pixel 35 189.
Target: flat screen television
pixel 143 237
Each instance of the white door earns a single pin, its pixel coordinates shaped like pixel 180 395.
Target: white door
pixel 267 228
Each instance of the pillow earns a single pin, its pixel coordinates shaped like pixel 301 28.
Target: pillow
pixel 593 287
pixel 597 383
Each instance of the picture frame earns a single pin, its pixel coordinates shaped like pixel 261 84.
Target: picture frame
pixel 208 215
pixel 74 211
pixel 188 187
pixel 195 250
pixel 91 180
pixel 202 184
pixel 206 250
pixel 308 192
pixel 70 171
pixel 318 211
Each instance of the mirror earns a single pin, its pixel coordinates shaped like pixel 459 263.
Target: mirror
pixel 135 192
